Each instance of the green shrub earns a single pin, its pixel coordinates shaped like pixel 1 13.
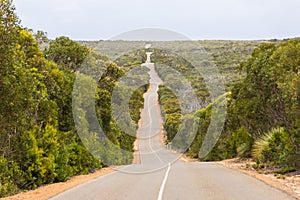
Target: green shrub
pixel 242 142
pixel 10 177
pixel 272 148
pixel 285 171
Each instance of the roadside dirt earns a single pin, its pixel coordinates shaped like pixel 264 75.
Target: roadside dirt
pixel 290 183
pixel 48 191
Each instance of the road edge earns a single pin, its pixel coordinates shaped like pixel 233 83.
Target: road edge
pixel 277 185
pixel 51 190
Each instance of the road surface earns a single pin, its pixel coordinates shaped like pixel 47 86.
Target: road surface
pixel 163 175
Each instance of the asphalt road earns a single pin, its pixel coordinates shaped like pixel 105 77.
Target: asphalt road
pixel 163 175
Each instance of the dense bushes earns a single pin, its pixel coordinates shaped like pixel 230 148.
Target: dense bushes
pixel 263 108
pixel 261 119
pixel 38 140
pixel 268 99
pixel 170 110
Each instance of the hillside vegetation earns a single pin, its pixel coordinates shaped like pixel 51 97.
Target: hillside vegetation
pixel 262 104
pixel 261 86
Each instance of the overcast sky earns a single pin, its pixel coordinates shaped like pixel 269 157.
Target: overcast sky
pixel 196 19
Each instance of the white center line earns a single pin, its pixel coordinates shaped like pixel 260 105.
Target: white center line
pixel 163 185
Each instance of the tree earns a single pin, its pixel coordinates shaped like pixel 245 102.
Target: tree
pixel 67 53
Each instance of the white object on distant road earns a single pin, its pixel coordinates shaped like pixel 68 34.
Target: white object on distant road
pixel 148 46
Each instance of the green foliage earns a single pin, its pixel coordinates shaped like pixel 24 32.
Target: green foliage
pixel 10 177
pixel 268 146
pixel 267 98
pixel 136 103
pixel 285 171
pixel 67 53
pixel 167 63
pixel 226 55
pixel 242 142
pixel 119 138
pixel 131 60
pixel 9 30
pixel 271 148
pixel 171 111
pixel 202 118
pixel 38 141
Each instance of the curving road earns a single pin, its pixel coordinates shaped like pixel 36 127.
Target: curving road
pixel 161 175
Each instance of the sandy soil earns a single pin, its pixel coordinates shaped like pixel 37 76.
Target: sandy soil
pixel 289 183
pixel 48 191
